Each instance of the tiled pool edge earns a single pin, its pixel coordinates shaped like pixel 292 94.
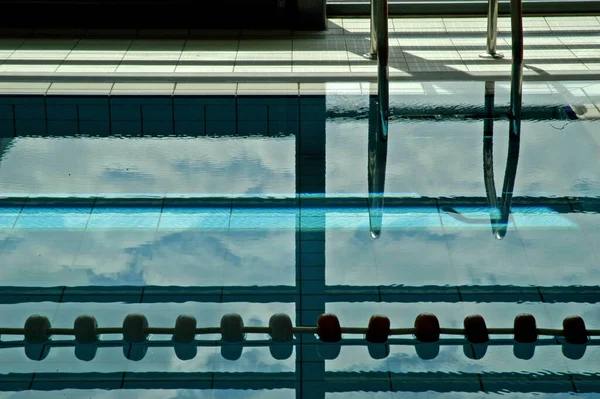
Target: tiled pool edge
pixel 291 78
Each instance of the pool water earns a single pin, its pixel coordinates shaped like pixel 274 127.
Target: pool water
pixel 290 208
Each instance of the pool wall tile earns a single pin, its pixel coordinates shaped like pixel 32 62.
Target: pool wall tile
pixel 275 116
pixel 94 127
pixel 27 127
pixel 252 112
pixel 284 112
pixel 186 112
pixel 33 109
pixel 221 112
pixel 62 127
pixel 283 127
pixel 61 111
pixel 158 127
pixel 153 112
pixel 141 100
pixel 192 128
pixel 309 273
pixel 252 128
pixel 126 127
pixel 128 112
pixel 7 128
pixel 94 111
pixel 221 127
pixel 6 112
pixel 312 112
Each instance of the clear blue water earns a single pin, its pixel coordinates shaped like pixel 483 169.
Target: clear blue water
pixel 260 223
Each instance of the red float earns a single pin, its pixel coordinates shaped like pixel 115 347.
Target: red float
pixel 329 328
pixel 574 330
pixel 428 327
pixel 525 328
pixel 475 329
pixel 378 330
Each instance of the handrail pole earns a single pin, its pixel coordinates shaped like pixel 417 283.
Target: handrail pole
pixel 492 31
pixel 374 24
pixel 383 66
pixel 516 79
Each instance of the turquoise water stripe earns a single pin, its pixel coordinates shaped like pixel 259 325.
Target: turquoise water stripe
pixel 52 222
pixel 111 221
pixel 272 217
pixel 194 221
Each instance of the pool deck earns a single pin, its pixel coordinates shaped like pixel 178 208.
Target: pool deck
pixel 556 48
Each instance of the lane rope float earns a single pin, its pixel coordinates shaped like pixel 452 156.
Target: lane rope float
pixel 426 330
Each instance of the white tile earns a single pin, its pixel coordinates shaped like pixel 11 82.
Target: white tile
pixel 264 56
pixel 39 68
pixel 593 66
pixel 321 33
pixel 586 53
pixel 572 22
pixel 547 54
pixel 431 54
pixel 40 54
pixel 87 68
pixel 212 88
pixel 143 88
pixel 571 66
pixel 80 88
pixel 4 55
pixel 95 55
pixel 320 68
pixel 152 56
pixel 129 68
pixel 478 67
pixel 267 88
pixel 319 56
pixel 313 88
pixel 426 23
pixel 208 56
pixel 24 87
pixel 363 68
pixel 211 45
pixel 204 68
pixel 262 69
pixel 103 45
pixel 265 45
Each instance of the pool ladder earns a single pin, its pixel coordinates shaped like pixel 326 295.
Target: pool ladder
pixel 380 52
pixel 380 112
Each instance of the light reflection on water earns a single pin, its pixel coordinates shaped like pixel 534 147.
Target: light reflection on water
pixel 236 251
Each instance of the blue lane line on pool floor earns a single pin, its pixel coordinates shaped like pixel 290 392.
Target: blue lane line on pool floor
pixel 268 218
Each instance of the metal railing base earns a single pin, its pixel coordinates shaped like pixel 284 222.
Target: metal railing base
pixel 495 56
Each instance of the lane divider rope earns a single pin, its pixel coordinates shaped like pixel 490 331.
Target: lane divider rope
pixel 427 330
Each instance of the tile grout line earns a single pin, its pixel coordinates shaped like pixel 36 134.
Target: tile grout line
pixel 162 208
pixel 227 247
pixel 439 213
pixel 84 233
pixel 17 218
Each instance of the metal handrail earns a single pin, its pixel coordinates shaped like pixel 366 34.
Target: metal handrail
pixel 492 31
pixel 380 52
pixel 516 79
pixel 379 114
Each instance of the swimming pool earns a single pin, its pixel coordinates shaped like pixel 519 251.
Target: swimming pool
pixel 209 205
